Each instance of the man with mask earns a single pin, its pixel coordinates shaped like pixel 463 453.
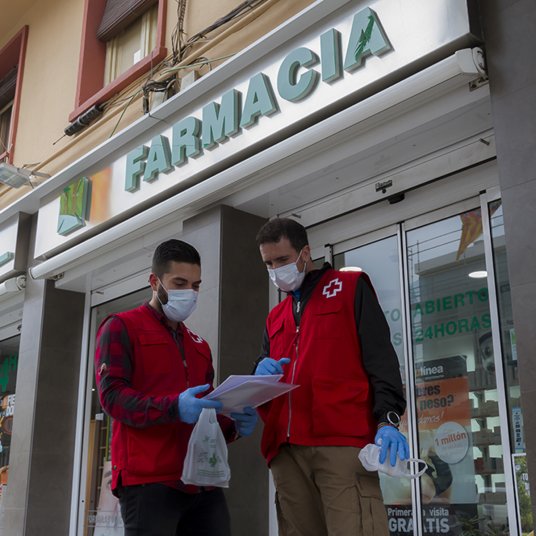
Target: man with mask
pixel 331 338
pixel 150 369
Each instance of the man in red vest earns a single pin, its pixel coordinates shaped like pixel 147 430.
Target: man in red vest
pixel 330 337
pixel 150 370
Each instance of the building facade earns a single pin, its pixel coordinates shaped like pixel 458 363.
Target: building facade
pixel 398 132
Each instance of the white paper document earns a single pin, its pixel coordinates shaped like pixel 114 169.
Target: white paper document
pixel 237 392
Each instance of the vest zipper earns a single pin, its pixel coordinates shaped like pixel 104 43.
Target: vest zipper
pixel 183 357
pixel 292 381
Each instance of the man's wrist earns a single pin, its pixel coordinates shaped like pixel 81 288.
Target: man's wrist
pixel 390 418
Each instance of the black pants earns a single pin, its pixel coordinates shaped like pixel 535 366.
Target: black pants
pixel 158 510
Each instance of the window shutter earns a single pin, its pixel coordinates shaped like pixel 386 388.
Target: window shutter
pixel 7 87
pixel 118 14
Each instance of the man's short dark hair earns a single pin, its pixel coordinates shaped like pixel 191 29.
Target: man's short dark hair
pixel 274 230
pixel 173 250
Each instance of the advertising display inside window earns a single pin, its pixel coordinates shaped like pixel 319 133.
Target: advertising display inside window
pixel 102 515
pixel 9 359
pixel 463 489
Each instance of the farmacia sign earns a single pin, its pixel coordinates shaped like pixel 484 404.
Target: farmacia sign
pixel 235 113
pixel 299 74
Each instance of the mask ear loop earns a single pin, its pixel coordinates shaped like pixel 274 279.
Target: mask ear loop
pixel 417 461
pixel 304 263
pixel 162 286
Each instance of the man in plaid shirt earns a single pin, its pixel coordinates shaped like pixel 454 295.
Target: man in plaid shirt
pixel 150 369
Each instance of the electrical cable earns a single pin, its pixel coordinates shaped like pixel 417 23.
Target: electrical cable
pixel 179 51
pixel 177 37
pixel 202 63
pixel 122 114
pixel 180 48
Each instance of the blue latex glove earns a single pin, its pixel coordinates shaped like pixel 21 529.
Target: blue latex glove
pixel 390 439
pixel 245 422
pixel 270 366
pixel 190 407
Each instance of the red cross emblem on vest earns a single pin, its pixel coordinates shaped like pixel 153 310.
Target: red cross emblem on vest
pixel 332 288
pixel 196 338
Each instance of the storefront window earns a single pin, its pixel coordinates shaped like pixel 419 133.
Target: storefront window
pixel 463 490
pixel 103 517
pixel 380 261
pixel 9 359
pixel 508 335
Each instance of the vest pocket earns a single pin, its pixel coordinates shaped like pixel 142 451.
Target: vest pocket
pixel 372 513
pixel 158 358
pixel 275 326
pixel 340 407
pixel 150 338
pixel 282 339
pixel 327 321
pixel 153 451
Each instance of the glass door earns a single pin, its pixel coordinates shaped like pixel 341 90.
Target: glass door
pixel 9 361
pixel 381 260
pixel 442 282
pixel 101 515
pixel 457 401
pixel 505 363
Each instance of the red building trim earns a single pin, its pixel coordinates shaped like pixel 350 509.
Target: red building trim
pixel 14 53
pixel 90 90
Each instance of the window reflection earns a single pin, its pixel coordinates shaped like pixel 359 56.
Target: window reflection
pixel 380 260
pixel 9 360
pixel 456 395
pixel 103 517
pixel 509 353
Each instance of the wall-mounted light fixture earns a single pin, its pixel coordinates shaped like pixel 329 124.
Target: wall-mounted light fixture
pixel 478 274
pixel 16 177
pixel 13 285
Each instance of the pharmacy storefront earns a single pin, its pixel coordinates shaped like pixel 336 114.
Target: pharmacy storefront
pixel 13 265
pixel 375 132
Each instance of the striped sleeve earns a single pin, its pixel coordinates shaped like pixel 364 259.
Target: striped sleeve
pixel 113 372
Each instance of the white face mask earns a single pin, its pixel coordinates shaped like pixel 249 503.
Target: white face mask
pixel 287 277
pixel 180 305
pixel 370 458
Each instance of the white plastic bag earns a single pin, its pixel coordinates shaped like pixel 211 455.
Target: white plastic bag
pixel 369 456
pixel 206 460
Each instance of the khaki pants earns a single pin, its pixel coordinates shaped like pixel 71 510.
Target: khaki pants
pixel 325 491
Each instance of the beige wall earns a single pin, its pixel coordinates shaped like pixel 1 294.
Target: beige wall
pixel 51 70
pixel 50 74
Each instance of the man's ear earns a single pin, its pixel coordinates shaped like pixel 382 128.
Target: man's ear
pixel 306 253
pixel 153 281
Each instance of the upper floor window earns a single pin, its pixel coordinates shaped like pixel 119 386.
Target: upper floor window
pixel 121 40
pixel 5 124
pixel 127 43
pixel 11 70
pixel 131 45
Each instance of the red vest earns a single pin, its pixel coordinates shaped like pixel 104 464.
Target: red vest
pixel 156 453
pixel 333 405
